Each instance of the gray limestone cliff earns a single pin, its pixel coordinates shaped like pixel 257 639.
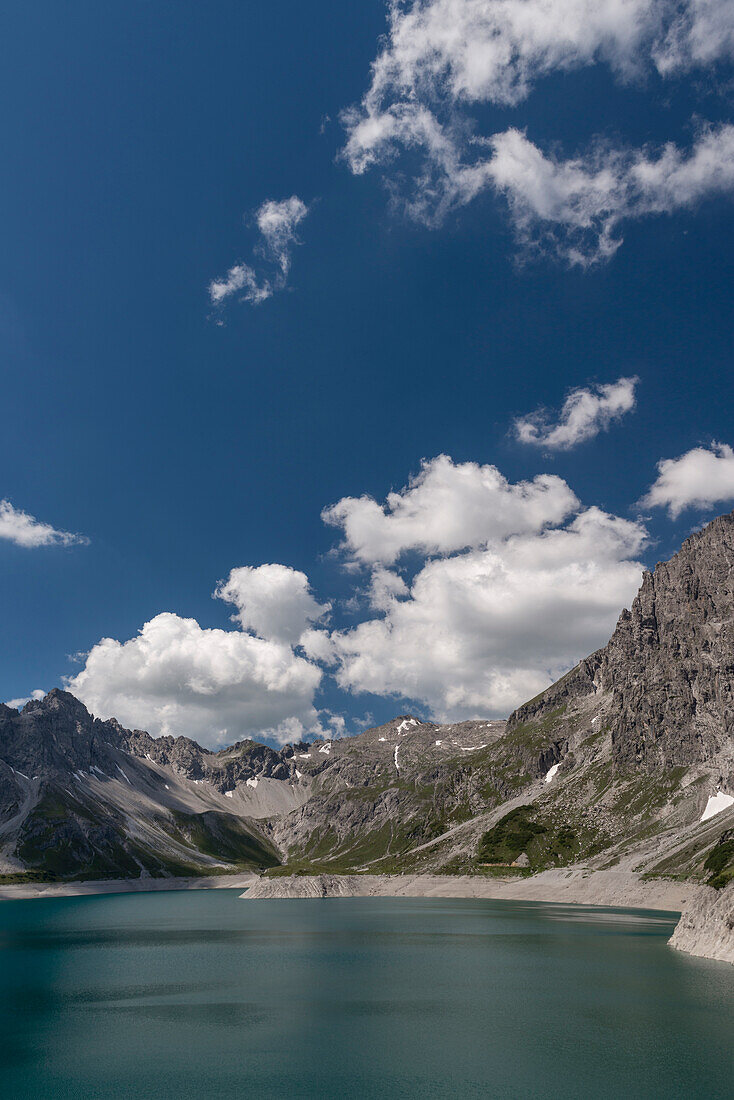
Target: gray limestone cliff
pixel 706 926
pixel 668 670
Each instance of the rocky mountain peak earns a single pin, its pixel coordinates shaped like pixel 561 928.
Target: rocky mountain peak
pixel 668 670
pixel 669 664
pixel 59 702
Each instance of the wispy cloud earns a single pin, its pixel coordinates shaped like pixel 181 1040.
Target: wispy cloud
pixel 27 531
pixel 441 58
pixel 575 208
pixel 277 223
pixel 586 411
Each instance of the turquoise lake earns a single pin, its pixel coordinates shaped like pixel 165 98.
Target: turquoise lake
pixel 198 994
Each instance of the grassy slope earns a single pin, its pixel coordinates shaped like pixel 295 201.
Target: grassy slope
pixel 65 837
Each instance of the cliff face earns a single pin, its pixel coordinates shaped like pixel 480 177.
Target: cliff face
pixel 670 662
pixel 668 671
pixel 706 927
pixel 57 735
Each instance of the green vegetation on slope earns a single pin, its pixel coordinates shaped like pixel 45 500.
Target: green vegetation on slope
pixel 720 861
pixel 223 837
pixel 510 837
pixel 545 840
pixel 63 837
pixel 66 838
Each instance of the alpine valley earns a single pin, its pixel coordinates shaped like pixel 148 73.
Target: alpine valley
pixel 626 764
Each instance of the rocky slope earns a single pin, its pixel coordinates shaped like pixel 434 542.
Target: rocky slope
pixel 569 887
pixel 667 673
pixel 612 768
pixel 81 797
pixel 706 927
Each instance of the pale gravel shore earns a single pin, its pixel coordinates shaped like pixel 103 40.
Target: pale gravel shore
pixel 575 886
pixel 30 890
pixel 704 930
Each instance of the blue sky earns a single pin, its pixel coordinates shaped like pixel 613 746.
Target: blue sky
pixel 407 315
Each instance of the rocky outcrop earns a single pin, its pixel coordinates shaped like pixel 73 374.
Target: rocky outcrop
pixel 706 926
pixel 311 886
pixel 389 789
pixel 571 887
pixel 668 669
pixel 670 662
pixel 575 685
pixel 57 735
pixel 81 797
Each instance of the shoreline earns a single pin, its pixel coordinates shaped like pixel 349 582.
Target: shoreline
pixel 704 927
pixel 574 886
pixel 28 891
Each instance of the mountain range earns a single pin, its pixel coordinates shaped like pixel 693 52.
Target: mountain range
pixel 625 762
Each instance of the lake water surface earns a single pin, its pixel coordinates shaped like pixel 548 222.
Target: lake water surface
pixel 198 994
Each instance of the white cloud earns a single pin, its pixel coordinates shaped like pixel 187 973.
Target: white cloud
pixel 586 411
pixel 439 53
pixel 486 629
pixel 519 584
pixel 240 277
pixel 214 685
pixel 385 587
pixel 574 207
pixel 338 723
pixel 700 478
pixel 702 33
pixel 317 646
pixel 277 223
pixel 274 601
pixel 441 58
pixel 447 507
pixel 25 530
pixel 18 703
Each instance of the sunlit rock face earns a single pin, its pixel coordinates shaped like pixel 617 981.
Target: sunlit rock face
pixel 669 666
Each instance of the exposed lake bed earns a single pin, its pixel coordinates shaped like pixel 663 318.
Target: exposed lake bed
pixel 197 993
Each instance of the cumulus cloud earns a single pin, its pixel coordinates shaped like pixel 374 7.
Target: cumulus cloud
pixel 27 531
pixel 516 583
pixel 446 507
pixel 482 631
pixel 586 411
pixel 273 601
pixel 700 478
pixel 18 703
pixel 277 223
pixel 441 58
pixel 385 587
pixel 214 685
